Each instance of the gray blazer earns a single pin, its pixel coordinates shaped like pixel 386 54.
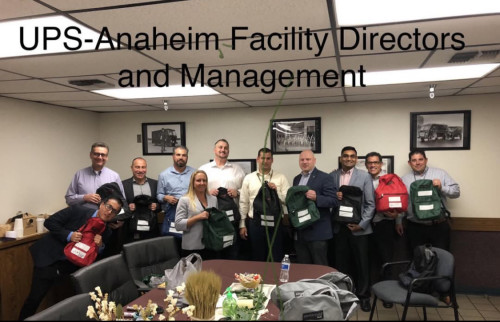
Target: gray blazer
pixel 191 238
pixel 363 180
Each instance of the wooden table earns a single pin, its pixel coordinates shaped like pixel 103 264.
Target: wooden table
pixel 226 270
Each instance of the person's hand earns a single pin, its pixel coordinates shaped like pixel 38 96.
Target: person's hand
pixel 339 195
pixel 391 214
pixel 204 215
pixel 152 206
pixel 76 236
pixel 243 233
pixel 436 183
pixel 399 229
pixel 272 185
pixel 98 240
pixel 311 195
pixel 233 193
pixel 115 225
pixel 131 206
pixel 92 198
pixel 214 192
pixel 171 199
pixel 354 227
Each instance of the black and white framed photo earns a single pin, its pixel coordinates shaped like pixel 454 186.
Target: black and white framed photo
pixel 291 136
pixel 387 164
pixel 447 130
pixel 248 165
pixel 161 138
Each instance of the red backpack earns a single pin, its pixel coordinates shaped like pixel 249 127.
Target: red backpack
pixel 391 194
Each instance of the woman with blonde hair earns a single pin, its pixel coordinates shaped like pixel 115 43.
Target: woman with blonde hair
pixel 191 213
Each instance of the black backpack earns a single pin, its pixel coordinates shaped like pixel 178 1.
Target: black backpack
pixel 272 204
pixel 226 203
pixel 424 264
pixel 143 219
pixel 349 210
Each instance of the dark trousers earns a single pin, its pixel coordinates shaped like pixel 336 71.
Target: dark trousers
pixel 438 235
pixel 384 236
pixel 258 241
pixel 312 252
pixel 352 258
pixel 43 279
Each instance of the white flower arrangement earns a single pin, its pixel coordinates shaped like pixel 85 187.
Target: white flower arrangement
pixel 102 309
pixel 171 304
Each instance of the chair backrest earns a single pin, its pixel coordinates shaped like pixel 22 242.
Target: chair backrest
pixel 445 267
pixel 73 308
pixel 111 275
pixel 150 256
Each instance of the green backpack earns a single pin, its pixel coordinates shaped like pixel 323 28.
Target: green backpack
pixel 302 211
pixel 218 231
pixel 426 200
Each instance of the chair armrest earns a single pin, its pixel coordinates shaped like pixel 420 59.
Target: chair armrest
pixel 388 264
pixel 141 286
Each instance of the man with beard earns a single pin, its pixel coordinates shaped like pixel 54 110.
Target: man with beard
pixel 173 183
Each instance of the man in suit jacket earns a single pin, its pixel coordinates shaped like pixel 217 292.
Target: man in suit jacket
pixel 139 184
pixel 48 252
pixel 311 243
pixel 351 240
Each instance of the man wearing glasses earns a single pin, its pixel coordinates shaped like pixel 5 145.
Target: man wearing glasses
pixel 50 263
pixel 83 187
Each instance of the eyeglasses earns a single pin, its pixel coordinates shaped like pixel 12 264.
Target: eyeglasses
pixel 349 156
pixel 103 155
pixel 110 208
pixel 373 162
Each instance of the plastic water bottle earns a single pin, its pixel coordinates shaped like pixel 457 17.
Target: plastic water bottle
pixel 229 304
pixel 285 269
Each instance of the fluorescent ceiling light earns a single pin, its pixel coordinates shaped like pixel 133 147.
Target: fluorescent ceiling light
pixel 435 74
pixel 53 27
pixel 369 12
pixel 155 92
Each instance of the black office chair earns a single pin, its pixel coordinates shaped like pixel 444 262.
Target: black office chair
pixel 73 308
pixel 150 256
pixel 391 291
pixel 111 275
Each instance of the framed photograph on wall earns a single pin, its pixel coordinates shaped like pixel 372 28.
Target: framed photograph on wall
pixel 248 165
pixel 447 130
pixel 387 164
pixel 161 138
pixel 292 136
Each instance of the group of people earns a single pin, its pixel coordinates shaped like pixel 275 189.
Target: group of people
pixel 185 194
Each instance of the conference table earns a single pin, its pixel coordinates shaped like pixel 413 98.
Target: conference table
pixel 226 270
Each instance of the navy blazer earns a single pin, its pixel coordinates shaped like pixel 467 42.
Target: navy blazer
pixel 50 248
pixel 363 180
pixel 326 198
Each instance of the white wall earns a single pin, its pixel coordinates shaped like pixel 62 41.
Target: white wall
pixel 56 143
pixel 42 146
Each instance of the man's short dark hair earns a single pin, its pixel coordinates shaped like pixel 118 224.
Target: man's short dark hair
pixel 346 148
pixel 182 147
pixel 114 196
pixel 99 145
pixel 264 151
pixel 373 154
pixel 416 151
